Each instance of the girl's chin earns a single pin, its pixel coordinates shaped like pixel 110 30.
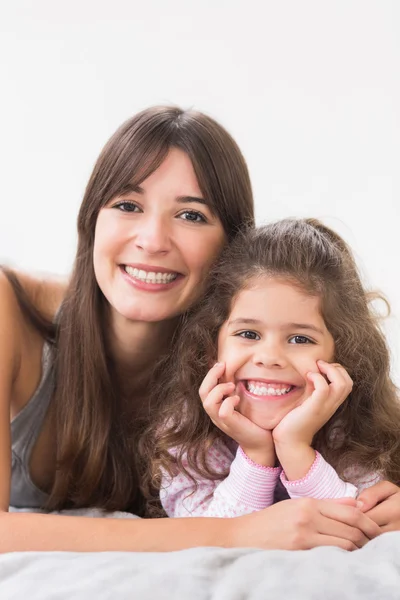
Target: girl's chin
pixel 265 419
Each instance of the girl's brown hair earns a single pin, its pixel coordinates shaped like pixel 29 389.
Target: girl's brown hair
pixel 96 419
pixel 364 432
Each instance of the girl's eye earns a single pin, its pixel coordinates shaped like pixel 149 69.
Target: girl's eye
pixel 193 216
pixel 126 206
pixel 249 335
pixel 300 339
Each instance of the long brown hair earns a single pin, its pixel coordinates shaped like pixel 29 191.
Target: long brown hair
pixel 364 433
pixel 97 431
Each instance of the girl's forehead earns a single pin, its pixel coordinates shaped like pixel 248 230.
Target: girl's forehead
pixel 274 295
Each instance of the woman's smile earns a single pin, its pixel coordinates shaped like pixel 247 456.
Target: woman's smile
pixel 150 278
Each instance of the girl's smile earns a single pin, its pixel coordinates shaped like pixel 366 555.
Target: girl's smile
pixel 267 390
pixel 273 337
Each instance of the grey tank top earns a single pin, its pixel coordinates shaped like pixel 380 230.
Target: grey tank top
pixel 25 429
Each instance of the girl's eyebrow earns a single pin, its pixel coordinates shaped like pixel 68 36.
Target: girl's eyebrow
pixel 305 326
pixel 243 321
pixel 309 326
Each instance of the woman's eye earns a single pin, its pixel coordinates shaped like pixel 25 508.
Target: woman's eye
pixel 300 339
pixel 249 335
pixel 126 206
pixel 193 216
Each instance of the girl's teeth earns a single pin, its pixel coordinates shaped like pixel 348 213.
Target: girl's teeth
pixel 260 390
pixel 150 276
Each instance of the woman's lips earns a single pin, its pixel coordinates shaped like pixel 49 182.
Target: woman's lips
pixel 150 286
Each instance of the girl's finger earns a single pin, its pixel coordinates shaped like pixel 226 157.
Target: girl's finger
pixel 227 408
pixel 211 380
pixel 321 387
pixel 213 401
pixel 337 375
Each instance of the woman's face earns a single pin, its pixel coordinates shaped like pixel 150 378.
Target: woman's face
pixel 155 244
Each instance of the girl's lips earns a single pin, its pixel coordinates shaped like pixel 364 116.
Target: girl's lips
pixel 268 397
pixel 149 287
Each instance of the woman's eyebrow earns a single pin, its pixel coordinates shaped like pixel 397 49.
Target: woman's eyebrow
pixel 185 199
pixel 129 188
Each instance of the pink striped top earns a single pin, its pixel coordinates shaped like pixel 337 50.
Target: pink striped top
pixel 248 487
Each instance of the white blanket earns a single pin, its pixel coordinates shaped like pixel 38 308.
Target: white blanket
pixel 372 573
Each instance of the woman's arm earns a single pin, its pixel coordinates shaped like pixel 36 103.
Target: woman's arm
pixel 291 525
pixel 10 360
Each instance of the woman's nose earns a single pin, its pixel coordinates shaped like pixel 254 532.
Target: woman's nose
pixel 153 235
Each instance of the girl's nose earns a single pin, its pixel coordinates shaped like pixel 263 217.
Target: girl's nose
pixel 270 355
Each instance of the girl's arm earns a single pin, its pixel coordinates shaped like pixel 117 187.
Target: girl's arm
pixel 305 472
pixel 321 481
pixel 247 488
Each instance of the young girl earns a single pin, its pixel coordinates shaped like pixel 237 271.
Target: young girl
pixel 300 403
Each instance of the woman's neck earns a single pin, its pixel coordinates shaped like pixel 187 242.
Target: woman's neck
pixel 135 346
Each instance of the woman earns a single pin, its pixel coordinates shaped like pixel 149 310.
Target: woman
pixel 169 189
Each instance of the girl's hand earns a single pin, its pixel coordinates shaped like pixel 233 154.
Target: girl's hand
pixel 293 435
pixel 381 503
pixel 300 425
pixel 256 442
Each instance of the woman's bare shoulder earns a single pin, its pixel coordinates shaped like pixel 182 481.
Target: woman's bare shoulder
pixel 46 292
pixel 11 330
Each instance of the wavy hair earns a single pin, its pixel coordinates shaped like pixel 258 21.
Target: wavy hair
pixel 364 432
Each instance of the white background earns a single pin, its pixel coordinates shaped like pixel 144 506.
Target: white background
pixel 309 89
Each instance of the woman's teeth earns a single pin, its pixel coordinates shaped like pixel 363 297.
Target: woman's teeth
pixel 268 390
pixel 150 276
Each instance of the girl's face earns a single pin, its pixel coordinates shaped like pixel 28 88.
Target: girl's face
pixel 273 337
pixel 154 244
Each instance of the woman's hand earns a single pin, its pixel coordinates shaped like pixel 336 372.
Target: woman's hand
pixel 381 503
pixel 218 403
pixel 294 434
pixel 306 523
